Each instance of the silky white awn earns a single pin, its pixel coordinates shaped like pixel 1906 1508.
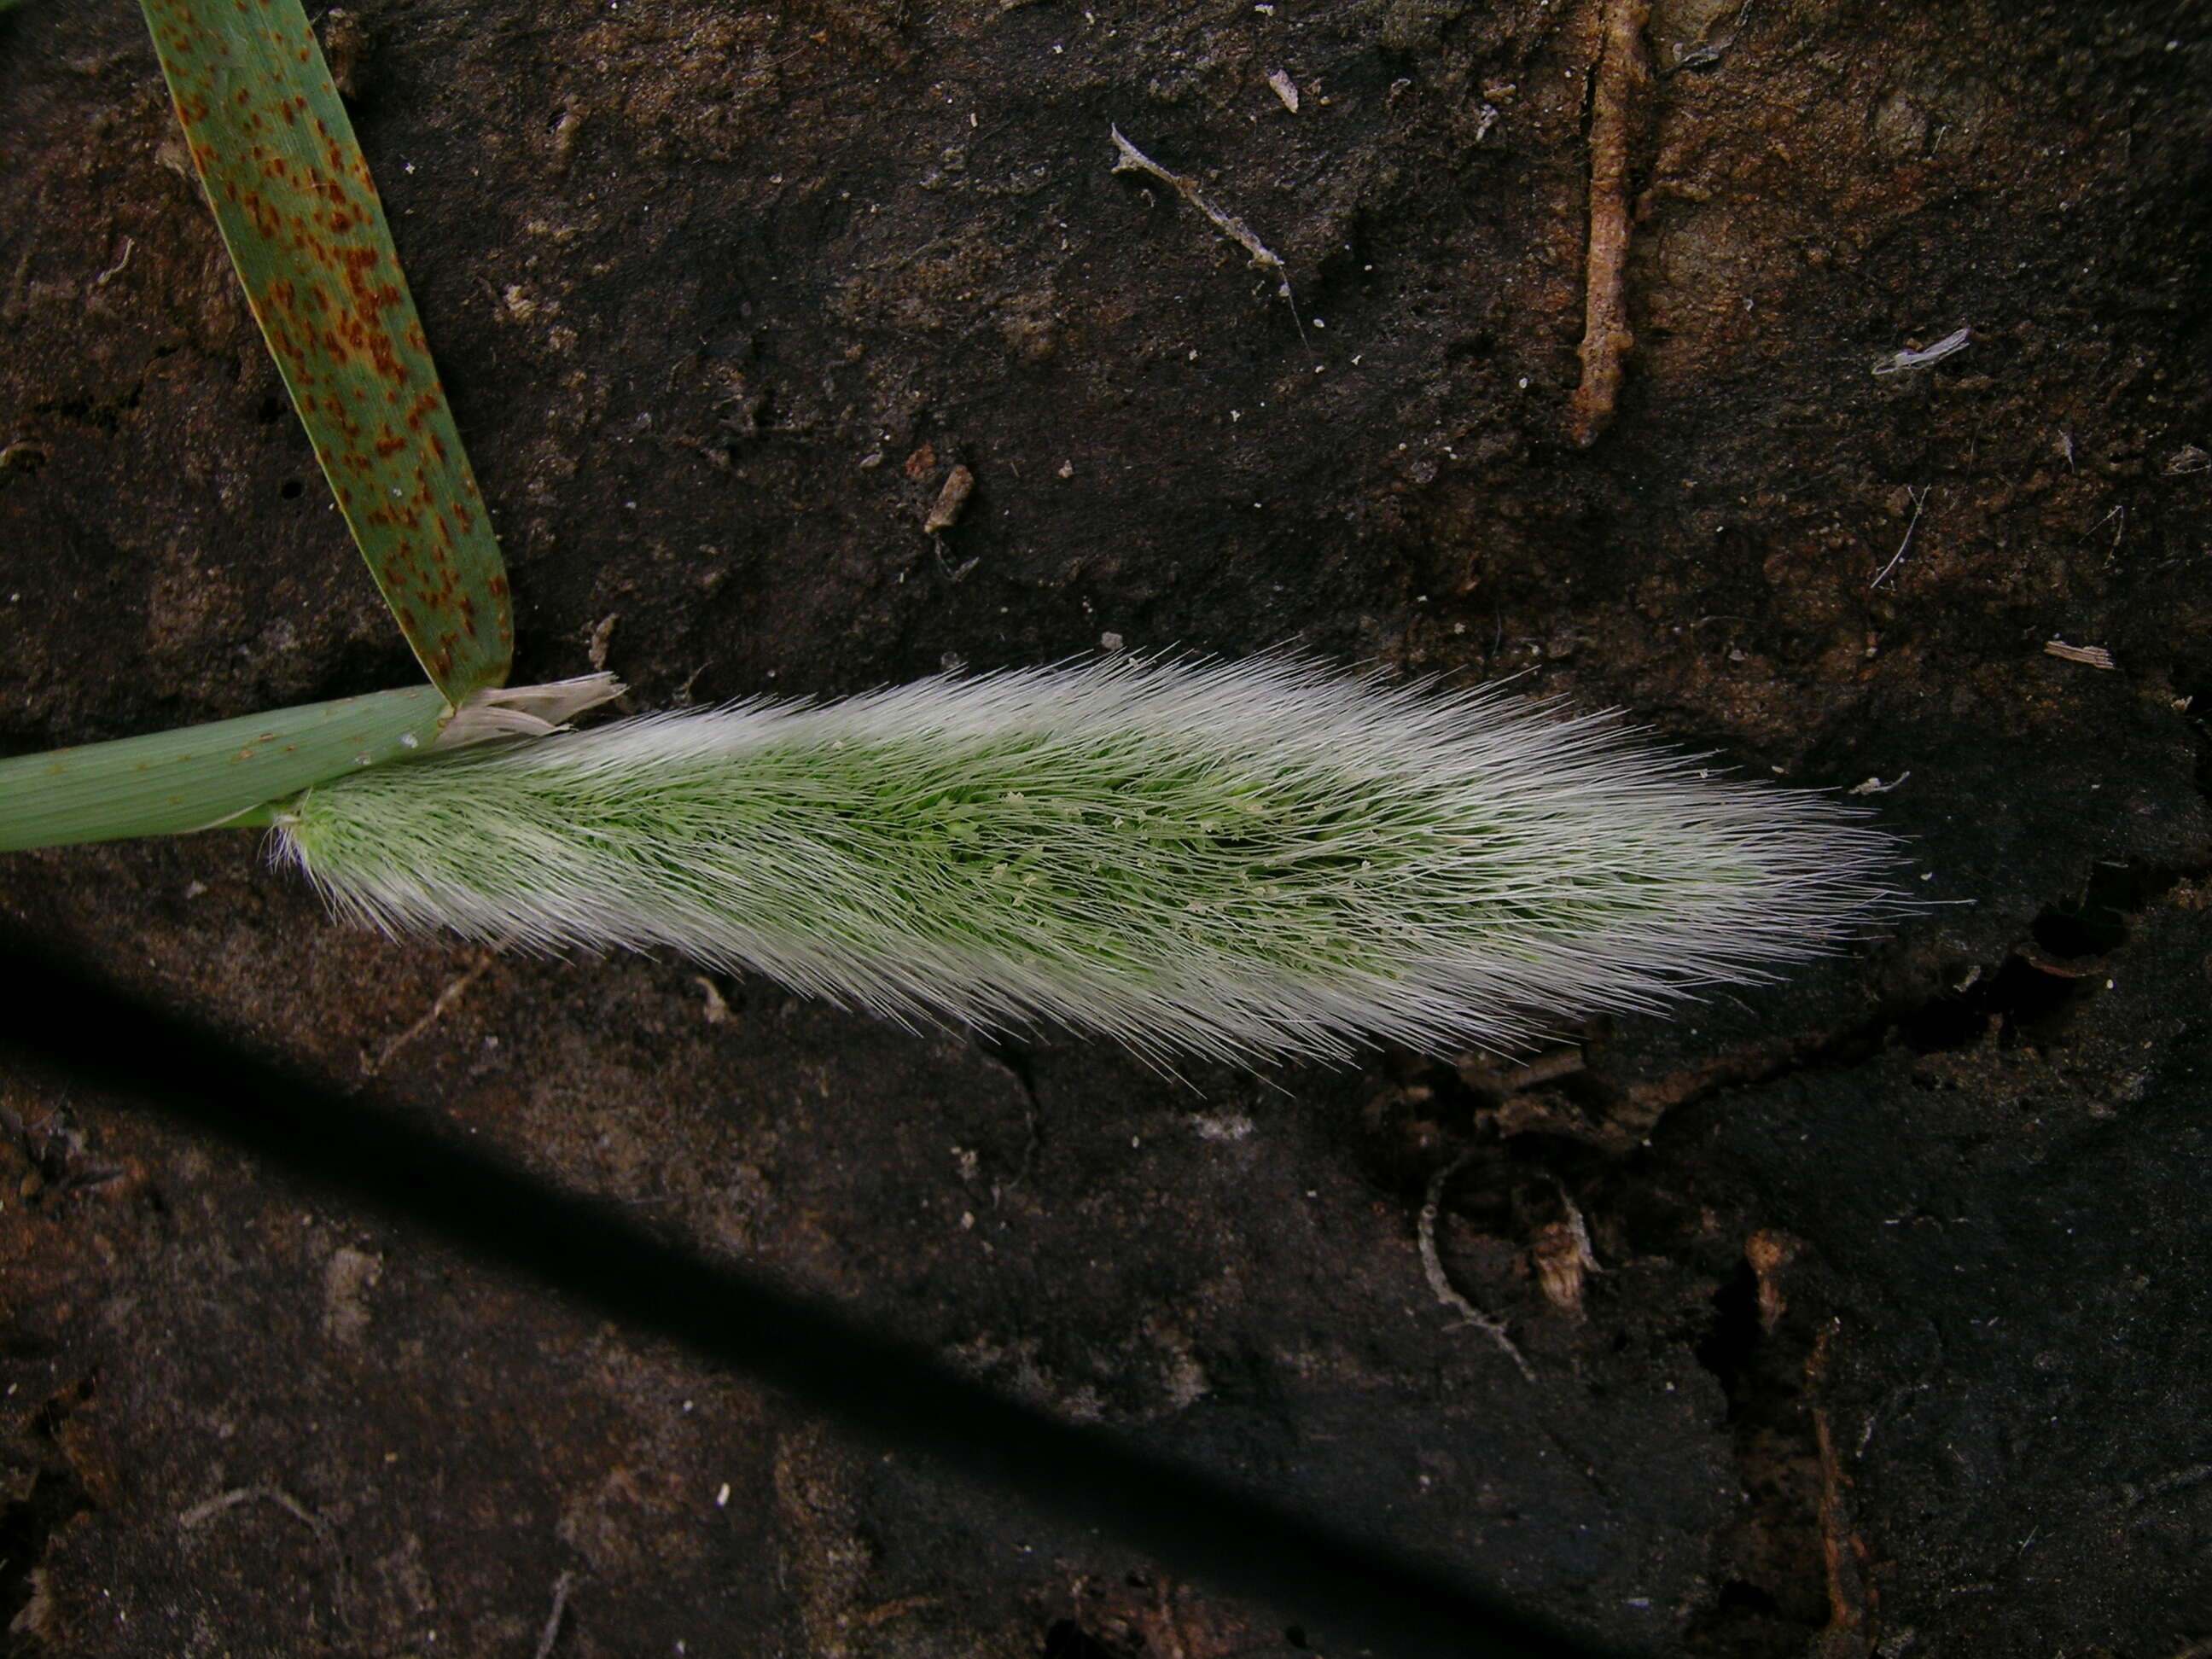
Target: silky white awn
pixel 1240 859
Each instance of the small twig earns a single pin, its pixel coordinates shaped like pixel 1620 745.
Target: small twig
pixel 200 1514
pixel 1898 1395
pixel 1133 160
pixel 883 1613
pixel 2119 530
pixel 1605 336
pixel 551 1632
pixel 1875 785
pixel 1129 159
pixel 1848 1631
pixel 1568 1062
pixel 445 999
pixel 1919 506
pixel 1432 1267
pixel 1479 1071
pixel 2195 1476
pixel 115 269
pixel 326 1533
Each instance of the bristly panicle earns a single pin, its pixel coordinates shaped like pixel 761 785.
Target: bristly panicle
pixel 1263 858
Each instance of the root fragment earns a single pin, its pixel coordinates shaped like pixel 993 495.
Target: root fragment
pixel 1432 1268
pixel 1621 74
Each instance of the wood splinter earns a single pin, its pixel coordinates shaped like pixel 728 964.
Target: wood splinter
pixel 1621 72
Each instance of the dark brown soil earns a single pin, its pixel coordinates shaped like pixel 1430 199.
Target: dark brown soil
pixel 1899 1342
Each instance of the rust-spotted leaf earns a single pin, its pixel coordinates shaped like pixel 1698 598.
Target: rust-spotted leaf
pixel 292 193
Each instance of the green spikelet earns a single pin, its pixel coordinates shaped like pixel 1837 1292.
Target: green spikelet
pixel 1243 860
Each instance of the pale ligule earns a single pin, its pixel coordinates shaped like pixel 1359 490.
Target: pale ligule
pixel 524 711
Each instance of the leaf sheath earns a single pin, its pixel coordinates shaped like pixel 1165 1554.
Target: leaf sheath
pixel 171 781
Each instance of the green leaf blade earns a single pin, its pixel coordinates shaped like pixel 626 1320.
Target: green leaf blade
pixel 170 782
pixel 306 230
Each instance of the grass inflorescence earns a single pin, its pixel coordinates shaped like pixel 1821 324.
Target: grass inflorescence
pixel 1233 859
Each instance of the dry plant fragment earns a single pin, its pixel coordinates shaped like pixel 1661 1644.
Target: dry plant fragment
pixel 1130 159
pixel 326 1535
pixel 1432 1268
pixel 717 1010
pixel 526 711
pixel 1849 1634
pixel 1133 160
pixel 452 994
pixel 550 1634
pixel 1767 1251
pixel 595 648
pixel 952 501
pixel 1562 1257
pixel 345 44
pixel 1958 340
pixel 1621 74
pixel 203 1512
pixel 2093 656
pixel 1919 498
